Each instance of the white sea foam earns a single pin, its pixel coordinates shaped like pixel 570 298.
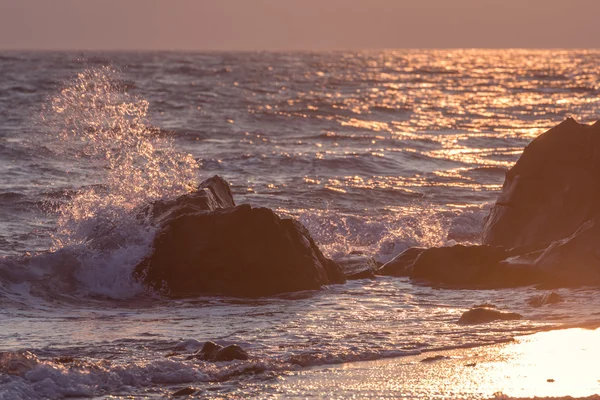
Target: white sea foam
pixel 99 125
pixel 384 237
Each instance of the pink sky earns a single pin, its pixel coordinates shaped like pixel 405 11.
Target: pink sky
pixel 295 24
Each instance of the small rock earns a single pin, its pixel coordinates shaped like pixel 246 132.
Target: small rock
pixel 549 298
pixel 208 351
pixel 484 315
pixel 230 353
pixel 64 360
pixel 470 364
pixel 434 358
pixel 214 352
pixel 186 391
pixel 549 380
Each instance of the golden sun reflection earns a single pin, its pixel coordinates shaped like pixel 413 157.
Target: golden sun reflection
pixel 546 364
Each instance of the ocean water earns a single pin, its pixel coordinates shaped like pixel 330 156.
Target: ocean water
pixel 374 151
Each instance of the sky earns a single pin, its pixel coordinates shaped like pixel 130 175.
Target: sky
pixel 297 24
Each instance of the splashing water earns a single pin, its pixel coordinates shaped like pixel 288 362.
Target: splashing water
pixel 98 125
pixel 99 122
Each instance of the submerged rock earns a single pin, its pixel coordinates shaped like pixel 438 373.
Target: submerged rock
pixel 214 352
pixel 548 298
pixel 438 357
pixel 186 391
pixel 402 264
pixel 237 251
pixel 357 265
pixel 552 189
pixel 483 315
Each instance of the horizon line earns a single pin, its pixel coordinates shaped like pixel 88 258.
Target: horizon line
pixel 277 50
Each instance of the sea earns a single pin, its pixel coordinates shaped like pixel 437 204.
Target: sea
pixel 373 151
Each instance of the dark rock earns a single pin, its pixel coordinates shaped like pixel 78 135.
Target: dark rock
pixel 485 315
pixel 357 265
pixel 548 298
pixel 237 251
pixel 438 357
pixel 214 352
pixel 574 261
pixel 402 264
pixel 208 351
pixel 64 360
pixel 471 267
pixel 230 353
pixel 186 391
pixel 551 190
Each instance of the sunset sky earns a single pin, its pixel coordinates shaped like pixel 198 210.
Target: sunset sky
pixel 297 25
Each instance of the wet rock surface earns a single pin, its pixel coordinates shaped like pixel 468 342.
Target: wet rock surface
pixel 214 352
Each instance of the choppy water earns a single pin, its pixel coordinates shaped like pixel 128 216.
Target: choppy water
pixel 372 151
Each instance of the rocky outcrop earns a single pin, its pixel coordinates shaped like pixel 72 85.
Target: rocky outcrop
pixel 483 315
pixel 552 189
pixel 544 228
pixel 237 251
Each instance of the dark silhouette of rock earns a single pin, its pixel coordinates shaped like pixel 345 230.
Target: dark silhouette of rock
pixel 551 190
pixel 484 315
pixel 186 391
pixel 230 353
pixel 402 264
pixel 548 298
pixel 237 251
pixel 214 352
pixel 471 267
pixel 438 357
pixel 357 265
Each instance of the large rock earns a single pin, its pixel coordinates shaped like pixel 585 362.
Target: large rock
pixel 238 251
pixel 552 189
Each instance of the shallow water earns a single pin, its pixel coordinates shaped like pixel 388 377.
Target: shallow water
pixel 372 151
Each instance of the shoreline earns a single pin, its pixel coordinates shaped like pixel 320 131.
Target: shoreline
pixel 557 363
